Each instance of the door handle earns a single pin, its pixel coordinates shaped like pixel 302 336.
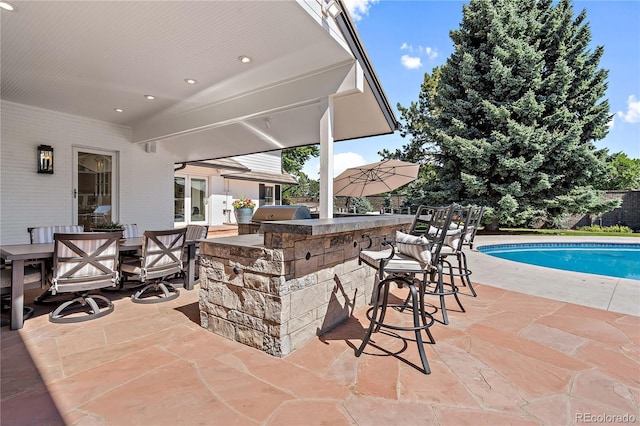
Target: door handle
pixel 75 193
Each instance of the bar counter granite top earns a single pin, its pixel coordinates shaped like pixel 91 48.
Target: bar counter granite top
pixel 335 225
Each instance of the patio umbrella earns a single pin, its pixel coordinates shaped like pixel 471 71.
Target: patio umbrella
pixel 374 178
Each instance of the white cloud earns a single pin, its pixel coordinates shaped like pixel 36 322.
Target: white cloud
pixel 341 162
pixel 611 122
pixel 431 53
pixel 633 110
pixel 358 9
pixel 414 61
pixel 411 62
pixel 344 160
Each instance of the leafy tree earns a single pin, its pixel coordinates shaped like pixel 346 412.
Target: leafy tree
pixel 417 122
pixel 519 104
pixel 293 159
pixel 624 173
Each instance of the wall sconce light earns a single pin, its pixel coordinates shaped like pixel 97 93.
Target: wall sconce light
pixel 45 159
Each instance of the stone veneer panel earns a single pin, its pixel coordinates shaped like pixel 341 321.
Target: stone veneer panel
pixel 276 291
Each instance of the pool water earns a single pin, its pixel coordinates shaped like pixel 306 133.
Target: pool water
pixel 614 260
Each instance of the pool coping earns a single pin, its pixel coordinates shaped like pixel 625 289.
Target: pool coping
pixel 620 295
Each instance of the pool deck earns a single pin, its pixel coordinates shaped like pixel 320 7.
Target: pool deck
pixel 597 291
pixel 510 359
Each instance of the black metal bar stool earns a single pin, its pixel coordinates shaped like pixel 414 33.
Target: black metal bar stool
pixel 467 220
pixel 377 313
pixel 437 225
pixel 402 262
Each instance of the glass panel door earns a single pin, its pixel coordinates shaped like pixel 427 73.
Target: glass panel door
pixel 198 200
pixel 268 195
pixel 179 200
pixel 190 200
pixel 94 187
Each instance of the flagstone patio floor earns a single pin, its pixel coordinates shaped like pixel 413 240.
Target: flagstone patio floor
pixel 511 358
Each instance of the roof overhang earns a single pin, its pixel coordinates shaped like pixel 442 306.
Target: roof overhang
pixel 281 178
pixel 88 58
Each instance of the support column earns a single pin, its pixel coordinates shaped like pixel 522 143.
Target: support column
pixel 326 158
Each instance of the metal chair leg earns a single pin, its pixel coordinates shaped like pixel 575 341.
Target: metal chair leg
pixel 420 321
pixel 462 259
pixel 373 321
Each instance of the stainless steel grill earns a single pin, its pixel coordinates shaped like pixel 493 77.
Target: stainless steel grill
pixel 281 213
pixel 267 213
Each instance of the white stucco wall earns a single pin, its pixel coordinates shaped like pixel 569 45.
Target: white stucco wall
pixel 30 199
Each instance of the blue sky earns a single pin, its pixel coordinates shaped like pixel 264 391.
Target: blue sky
pixel 405 39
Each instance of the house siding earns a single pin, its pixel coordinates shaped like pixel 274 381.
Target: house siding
pixel 30 199
pixel 269 162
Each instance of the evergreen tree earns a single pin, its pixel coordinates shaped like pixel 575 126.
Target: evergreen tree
pixel 519 106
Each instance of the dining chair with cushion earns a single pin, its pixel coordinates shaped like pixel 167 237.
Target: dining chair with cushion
pixel 411 261
pixel 83 262
pixel 130 231
pixel 44 234
pixel 195 233
pixel 161 259
pixel 33 278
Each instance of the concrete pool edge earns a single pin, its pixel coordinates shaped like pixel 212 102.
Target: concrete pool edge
pixel 619 295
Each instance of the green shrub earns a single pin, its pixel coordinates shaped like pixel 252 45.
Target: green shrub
pixel 614 228
pixel 361 204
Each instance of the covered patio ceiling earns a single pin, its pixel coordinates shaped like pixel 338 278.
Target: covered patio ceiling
pixel 91 58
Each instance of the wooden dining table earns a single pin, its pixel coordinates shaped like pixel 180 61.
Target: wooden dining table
pixel 18 253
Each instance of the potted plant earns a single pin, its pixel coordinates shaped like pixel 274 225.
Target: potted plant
pixel 109 227
pixel 243 209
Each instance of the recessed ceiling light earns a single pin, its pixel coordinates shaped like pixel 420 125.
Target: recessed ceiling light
pixel 149 97
pixel 118 110
pixel 7 6
pixel 190 81
pixel 244 59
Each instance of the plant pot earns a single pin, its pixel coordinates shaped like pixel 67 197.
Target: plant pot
pixel 121 231
pixel 243 215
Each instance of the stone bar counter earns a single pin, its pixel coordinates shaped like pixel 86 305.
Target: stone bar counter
pixel 295 280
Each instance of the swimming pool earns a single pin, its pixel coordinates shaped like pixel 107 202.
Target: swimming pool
pixel 614 260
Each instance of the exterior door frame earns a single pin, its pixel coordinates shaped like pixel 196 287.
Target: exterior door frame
pixel 115 183
pixel 188 204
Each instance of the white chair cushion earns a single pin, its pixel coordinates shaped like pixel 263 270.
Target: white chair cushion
pixel 417 247
pixel 467 236
pixel 399 262
pixel 452 239
pixel 44 234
